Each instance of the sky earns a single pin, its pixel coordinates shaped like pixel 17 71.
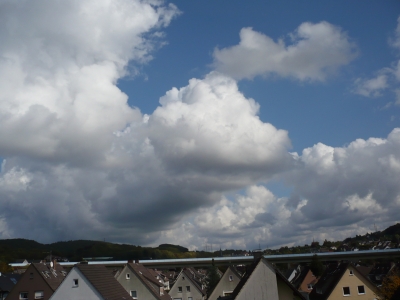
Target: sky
pixel 231 123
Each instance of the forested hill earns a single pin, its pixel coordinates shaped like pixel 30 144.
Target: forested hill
pixel 13 249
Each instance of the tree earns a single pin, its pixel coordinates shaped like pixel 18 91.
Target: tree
pixel 212 278
pixel 390 286
pixel 316 266
pixel 5 268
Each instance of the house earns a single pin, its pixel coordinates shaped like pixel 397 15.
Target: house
pixel 263 281
pixel 94 282
pixel 38 282
pixel 187 286
pixel 142 283
pixel 379 272
pixel 343 281
pixel 164 279
pixel 228 282
pixel 160 278
pixel 7 282
pixel 303 279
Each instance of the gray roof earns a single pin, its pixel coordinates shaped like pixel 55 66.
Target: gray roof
pixel 7 281
pixel 53 276
pixel 149 280
pixel 103 281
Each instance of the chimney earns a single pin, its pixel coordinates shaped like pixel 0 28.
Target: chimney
pixel 130 261
pixel 257 254
pixel 136 261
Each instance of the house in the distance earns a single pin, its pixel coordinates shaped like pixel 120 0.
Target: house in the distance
pixel 7 283
pixel 187 286
pixel 263 281
pixel 343 281
pixel 302 279
pixel 227 283
pixel 94 282
pixel 142 283
pixel 39 281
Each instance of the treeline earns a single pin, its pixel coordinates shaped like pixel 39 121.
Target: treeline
pixel 13 249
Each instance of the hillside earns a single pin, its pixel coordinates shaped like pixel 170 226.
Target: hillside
pixel 13 249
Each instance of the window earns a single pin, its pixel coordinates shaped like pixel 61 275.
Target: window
pixel 310 286
pixel 31 275
pixel 227 293
pixel 351 272
pixel 188 288
pixel 39 295
pixel 183 277
pixel 346 291
pixel 75 282
pixel 134 294
pixel 361 290
pixel 230 278
pixel 190 298
pixel 128 276
pixel 23 295
pixel 179 289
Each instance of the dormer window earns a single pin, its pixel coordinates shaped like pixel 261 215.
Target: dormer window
pixel 128 276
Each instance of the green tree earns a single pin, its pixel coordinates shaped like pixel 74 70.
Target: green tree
pixel 212 278
pixel 390 287
pixel 316 266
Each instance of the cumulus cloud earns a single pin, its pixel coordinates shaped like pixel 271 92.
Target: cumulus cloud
pixel 240 222
pixel 59 62
pixel 337 193
pixel 79 161
pixel 371 87
pixel 353 184
pixel 315 51
pixel 387 78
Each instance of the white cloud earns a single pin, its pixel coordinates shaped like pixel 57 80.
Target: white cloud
pixel 59 62
pixel 343 185
pixel 81 163
pixel 174 161
pixel 316 51
pixel 387 78
pixel 371 87
pixel 337 193
pixel 396 40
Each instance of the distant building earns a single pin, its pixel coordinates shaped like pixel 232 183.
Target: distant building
pixel 94 282
pixel 187 286
pixel 343 281
pixel 7 283
pixel 227 283
pixel 38 282
pixel 263 281
pixel 142 283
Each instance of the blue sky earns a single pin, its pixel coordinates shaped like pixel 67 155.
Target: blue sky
pixel 234 123
pixel 312 112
